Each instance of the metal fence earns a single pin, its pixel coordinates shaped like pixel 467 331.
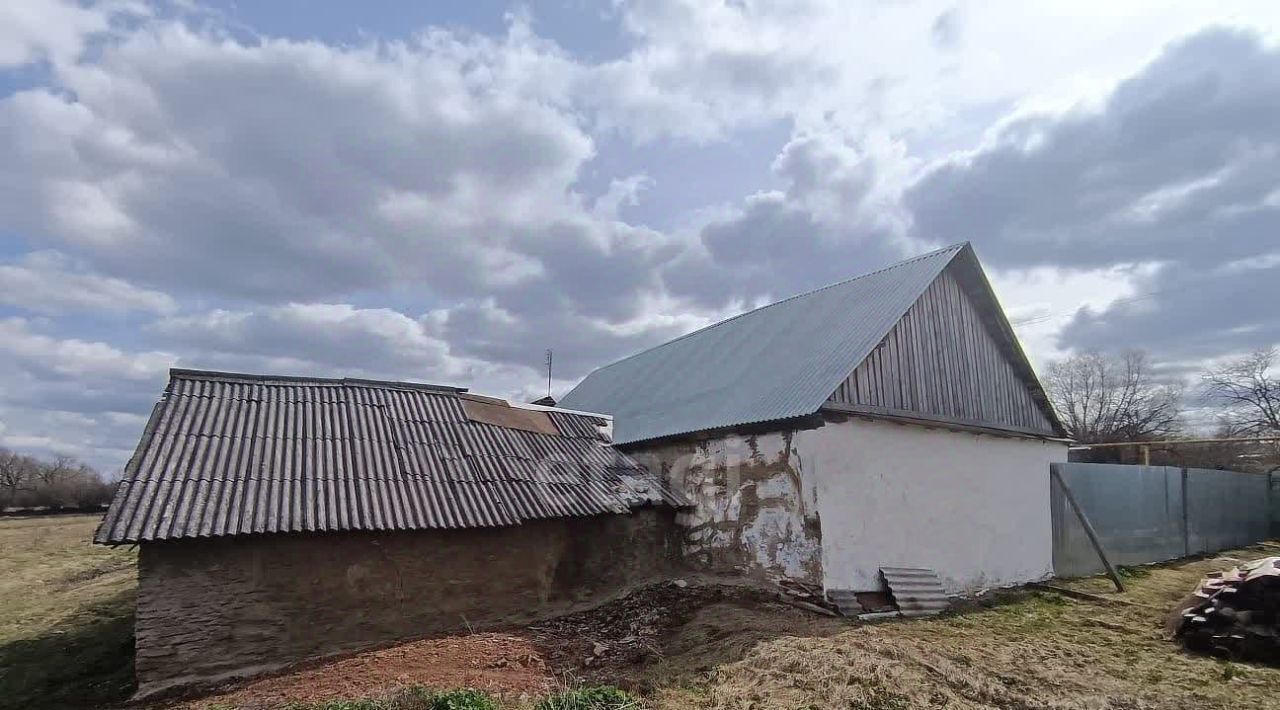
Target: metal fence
pixel 1145 514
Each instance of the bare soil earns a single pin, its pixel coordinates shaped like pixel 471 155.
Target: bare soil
pixel 501 664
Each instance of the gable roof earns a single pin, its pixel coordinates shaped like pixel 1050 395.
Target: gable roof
pixel 780 361
pixel 232 454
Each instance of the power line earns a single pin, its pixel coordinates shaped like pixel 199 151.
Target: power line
pixel 1033 320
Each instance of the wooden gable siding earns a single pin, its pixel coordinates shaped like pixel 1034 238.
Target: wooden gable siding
pixel 941 361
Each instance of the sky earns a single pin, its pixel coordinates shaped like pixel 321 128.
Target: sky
pixel 406 190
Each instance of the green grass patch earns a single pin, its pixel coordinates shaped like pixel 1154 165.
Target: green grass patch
pixel 412 698
pixel 460 700
pixel 1133 572
pixel 595 698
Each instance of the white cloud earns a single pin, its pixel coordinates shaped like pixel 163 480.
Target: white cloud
pixel 32 352
pixel 73 396
pixel 49 283
pixel 35 30
pixel 331 337
pixel 700 69
pixel 285 168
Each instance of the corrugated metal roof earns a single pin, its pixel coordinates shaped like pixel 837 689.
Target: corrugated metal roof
pixel 227 454
pixel 776 362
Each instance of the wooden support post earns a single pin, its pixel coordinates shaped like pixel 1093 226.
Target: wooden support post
pixel 1088 528
pixel 1146 454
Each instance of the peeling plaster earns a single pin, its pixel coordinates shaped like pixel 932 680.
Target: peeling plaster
pixel 753 511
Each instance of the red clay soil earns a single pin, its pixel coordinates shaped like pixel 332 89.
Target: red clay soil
pixel 497 663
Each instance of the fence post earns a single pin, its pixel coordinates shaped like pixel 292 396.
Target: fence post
pixel 1186 519
pixel 1088 527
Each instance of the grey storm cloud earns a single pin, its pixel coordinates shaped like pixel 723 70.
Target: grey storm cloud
pixel 821 227
pixel 1191 313
pixel 1178 167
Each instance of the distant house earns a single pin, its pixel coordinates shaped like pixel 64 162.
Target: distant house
pixel 888 420
pixel 282 518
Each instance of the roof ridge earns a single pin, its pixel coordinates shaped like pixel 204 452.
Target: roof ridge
pixel 951 247
pixel 180 373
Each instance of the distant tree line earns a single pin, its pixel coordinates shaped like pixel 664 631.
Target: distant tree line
pixel 1118 397
pixel 63 482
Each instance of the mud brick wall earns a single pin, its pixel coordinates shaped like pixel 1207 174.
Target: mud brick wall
pixel 755 508
pixel 209 610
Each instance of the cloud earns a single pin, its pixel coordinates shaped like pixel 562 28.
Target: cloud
pixel 79 397
pixel 698 71
pixel 834 217
pixel 419 209
pixel 1176 167
pixel 49 283
pixel 280 169
pixel 42 30
pixel 946 29
pixel 329 338
pixel 276 171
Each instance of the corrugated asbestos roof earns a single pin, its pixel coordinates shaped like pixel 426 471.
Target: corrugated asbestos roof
pixel 226 454
pixel 776 362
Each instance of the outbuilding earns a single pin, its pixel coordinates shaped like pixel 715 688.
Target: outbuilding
pixel 890 420
pixel 283 518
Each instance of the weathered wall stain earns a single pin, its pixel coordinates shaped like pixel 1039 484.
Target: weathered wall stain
pixel 209 610
pixel 754 510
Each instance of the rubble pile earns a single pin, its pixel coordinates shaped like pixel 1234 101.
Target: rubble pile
pixel 1236 614
pixel 804 596
pixel 630 629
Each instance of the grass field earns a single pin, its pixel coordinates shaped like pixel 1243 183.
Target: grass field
pixel 66 614
pixel 66 619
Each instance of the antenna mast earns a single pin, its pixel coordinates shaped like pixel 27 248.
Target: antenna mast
pixel 548 372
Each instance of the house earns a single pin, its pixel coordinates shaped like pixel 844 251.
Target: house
pixel 282 518
pixel 888 420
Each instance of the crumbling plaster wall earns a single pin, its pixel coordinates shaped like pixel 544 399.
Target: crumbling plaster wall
pixel 209 610
pixel 755 508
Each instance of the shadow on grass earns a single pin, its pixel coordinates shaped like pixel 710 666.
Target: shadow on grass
pixel 85 662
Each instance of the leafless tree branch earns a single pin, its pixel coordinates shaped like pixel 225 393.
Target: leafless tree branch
pixel 1110 398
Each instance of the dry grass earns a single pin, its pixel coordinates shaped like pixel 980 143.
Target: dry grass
pixel 66 614
pixel 1032 650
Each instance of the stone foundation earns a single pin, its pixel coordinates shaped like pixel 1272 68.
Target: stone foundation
pixel 210 610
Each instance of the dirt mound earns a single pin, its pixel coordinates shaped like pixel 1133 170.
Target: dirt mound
pixel 631 630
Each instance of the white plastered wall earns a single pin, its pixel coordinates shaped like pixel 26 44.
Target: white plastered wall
pixel 972 507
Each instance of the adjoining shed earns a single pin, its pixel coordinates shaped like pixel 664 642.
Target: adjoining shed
pixel 285 518
pixel 890 420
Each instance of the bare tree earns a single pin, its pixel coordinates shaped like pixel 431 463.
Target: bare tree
pixel 62 466
pixel 64 482
pixel 1248 392
pixel 15 473
pixel 1110 398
